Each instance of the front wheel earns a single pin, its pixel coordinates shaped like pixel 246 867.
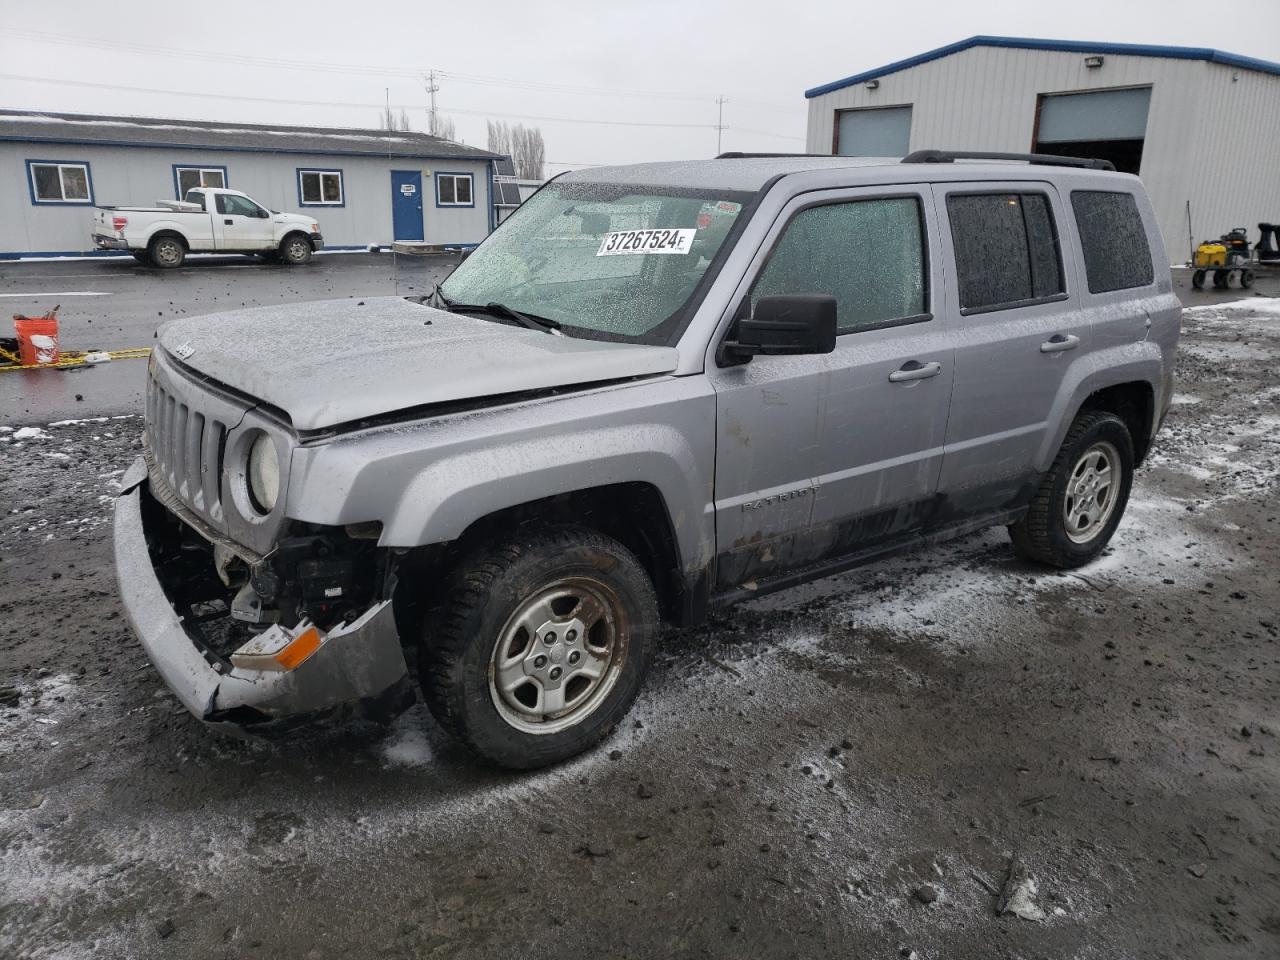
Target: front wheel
pixel 540 645
pixel 1081 499
pixel 1197 280
pixel 295 249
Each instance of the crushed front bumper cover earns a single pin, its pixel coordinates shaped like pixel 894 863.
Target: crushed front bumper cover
pixel 359 668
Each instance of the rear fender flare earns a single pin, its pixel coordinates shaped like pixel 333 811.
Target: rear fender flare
pixel 1140 362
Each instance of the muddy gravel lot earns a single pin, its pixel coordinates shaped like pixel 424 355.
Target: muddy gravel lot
pixel 848 769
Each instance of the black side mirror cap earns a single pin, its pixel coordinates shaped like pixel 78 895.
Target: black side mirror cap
pixel 792 325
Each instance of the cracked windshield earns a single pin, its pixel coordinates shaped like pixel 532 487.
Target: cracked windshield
pixel 604 261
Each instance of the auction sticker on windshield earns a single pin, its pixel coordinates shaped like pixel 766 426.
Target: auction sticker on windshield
pixel 646 241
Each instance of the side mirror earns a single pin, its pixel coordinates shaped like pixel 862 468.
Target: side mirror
pixel 791 325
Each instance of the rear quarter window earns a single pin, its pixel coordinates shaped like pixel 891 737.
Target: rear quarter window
pixel 1116 253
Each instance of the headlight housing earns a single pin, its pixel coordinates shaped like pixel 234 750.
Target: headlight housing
pixel 263 473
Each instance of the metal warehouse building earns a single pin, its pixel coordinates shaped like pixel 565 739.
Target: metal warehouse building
pixel 1200 126
pixel 365 187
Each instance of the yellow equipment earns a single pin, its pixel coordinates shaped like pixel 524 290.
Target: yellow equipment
pixel 1210 255
pixel 1227 255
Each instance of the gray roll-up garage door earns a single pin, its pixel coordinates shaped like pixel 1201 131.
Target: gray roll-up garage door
pixel 1097 115
pixel 878 132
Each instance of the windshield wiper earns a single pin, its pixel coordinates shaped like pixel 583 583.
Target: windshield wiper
pixel 530 320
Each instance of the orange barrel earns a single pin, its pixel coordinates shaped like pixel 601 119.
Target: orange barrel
pixel 37 338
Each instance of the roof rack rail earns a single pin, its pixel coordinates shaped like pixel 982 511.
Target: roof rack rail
pixel 1041 159
pixel 739 155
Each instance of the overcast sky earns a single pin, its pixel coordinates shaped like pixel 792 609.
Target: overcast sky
pixel 607 81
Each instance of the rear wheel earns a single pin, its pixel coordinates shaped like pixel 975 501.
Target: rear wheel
pixel 1082 498
pixel 541 645
pixel 295 249
pixel 1246 279
pixel 1197 279
pixel 167 252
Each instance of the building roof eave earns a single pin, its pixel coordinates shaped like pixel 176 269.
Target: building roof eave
pixel 1059 46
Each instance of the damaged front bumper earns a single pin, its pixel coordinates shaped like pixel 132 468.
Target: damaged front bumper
pixel 357 667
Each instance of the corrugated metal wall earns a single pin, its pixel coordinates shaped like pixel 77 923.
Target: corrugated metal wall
pixel 1213 132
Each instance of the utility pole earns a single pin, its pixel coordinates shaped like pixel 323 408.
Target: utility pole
pixel 720 102
pixel 432 87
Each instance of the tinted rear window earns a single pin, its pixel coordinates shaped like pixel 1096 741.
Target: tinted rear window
pixel 1116 253
pixel 1006 248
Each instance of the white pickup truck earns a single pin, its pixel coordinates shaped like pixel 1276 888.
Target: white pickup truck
pixel 206 220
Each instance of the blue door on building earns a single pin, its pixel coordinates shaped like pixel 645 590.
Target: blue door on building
pixel 406 204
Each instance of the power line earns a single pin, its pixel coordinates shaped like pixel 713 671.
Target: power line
pixel 348 104
pixel 280 63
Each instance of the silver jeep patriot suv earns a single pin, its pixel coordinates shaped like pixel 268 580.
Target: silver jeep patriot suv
pixel 654 390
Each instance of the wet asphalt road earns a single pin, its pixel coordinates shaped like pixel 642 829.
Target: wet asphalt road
pixel 793 776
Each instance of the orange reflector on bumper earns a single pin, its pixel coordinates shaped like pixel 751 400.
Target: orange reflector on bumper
pixel 302 646
pixel 279 649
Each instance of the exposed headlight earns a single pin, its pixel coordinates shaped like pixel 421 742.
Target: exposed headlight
pixel 264 473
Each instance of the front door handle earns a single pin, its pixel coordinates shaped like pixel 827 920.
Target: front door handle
pixel 914 370
pixel 1060 342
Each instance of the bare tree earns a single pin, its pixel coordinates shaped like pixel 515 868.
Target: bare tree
pixel 444 128
pixel 499 138
pixel 390 121
pixel 524 145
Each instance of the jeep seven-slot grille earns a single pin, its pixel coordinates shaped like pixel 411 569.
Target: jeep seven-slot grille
pixel 187 449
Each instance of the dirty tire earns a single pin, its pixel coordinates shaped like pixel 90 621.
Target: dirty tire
pixel 166 253
pixel 1042 535
pixel 295 249
pixel 485 594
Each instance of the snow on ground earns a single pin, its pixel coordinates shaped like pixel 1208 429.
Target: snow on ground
pixel 1264 308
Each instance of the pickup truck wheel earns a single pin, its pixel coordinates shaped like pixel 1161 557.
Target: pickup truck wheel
pixel 541 646
pixel 295 249
pixel 1082 498
pixel 167 252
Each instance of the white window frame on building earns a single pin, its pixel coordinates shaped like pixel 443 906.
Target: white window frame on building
pixel 453 179
pixel 62 199
pixel 205 177
pixel 321 174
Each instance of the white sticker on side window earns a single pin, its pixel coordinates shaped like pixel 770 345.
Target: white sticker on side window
pixel 646 241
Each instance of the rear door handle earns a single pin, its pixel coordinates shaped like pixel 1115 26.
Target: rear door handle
pixel 914 370
pixel 1060 342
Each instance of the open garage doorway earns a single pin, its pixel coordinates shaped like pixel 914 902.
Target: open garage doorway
pixel 1103 124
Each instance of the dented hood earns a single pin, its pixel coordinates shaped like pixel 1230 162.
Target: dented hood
pixel 337 361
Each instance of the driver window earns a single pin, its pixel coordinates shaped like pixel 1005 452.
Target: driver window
pixel 236 206
pixel 868 254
